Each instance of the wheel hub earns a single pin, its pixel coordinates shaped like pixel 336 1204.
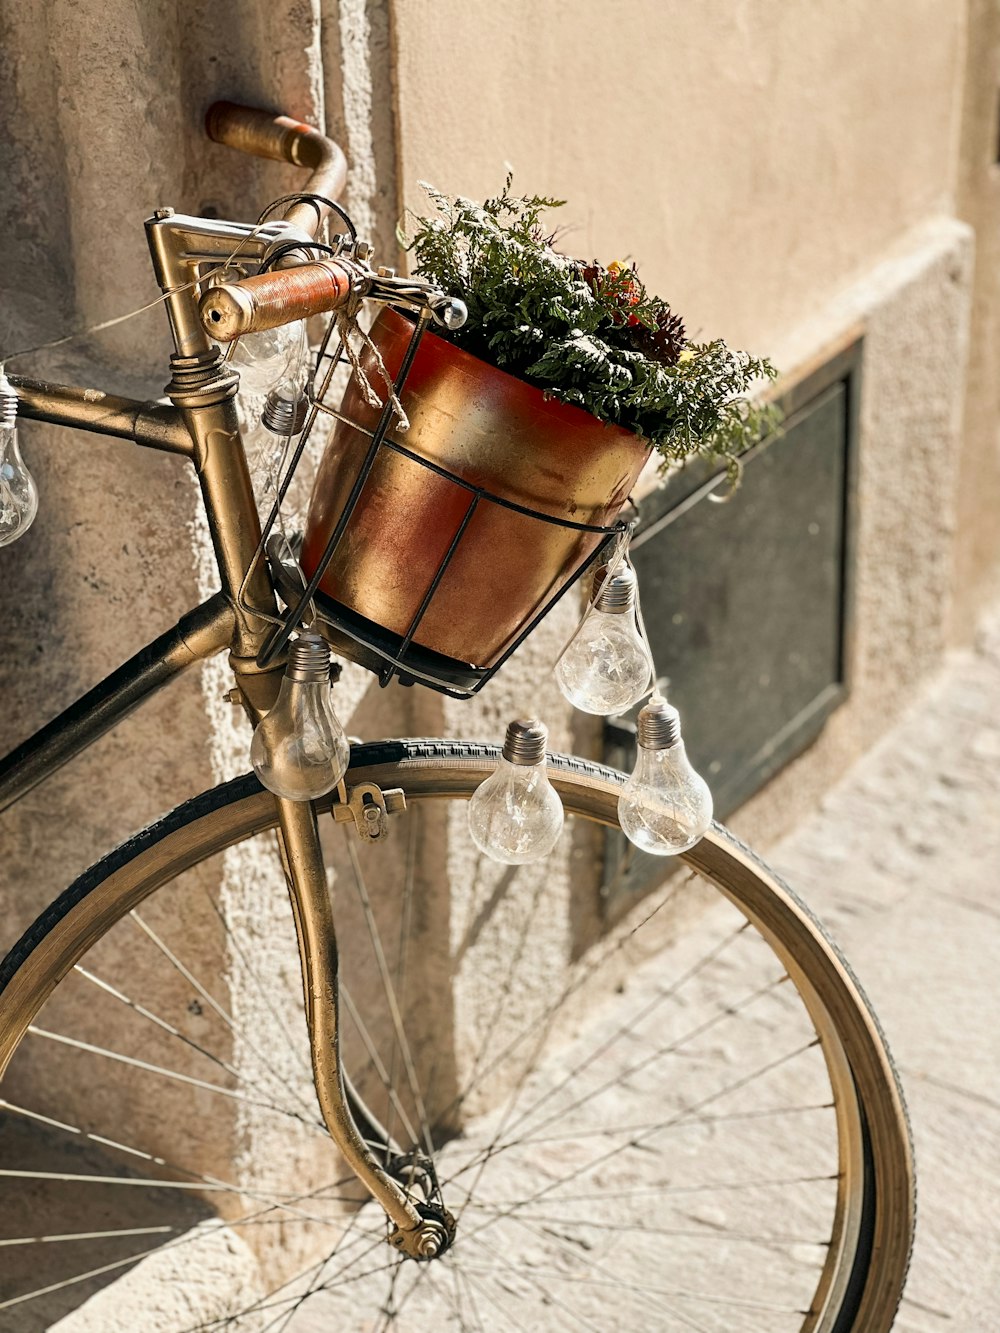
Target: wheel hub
pixel 430 1239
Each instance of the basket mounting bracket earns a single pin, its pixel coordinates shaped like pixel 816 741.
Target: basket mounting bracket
pixel 369 806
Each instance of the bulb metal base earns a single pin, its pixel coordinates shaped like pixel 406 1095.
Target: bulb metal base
pixel 284 416
pixel 615 593
pixel 308 660
pixel 8 402
pixel 659 725
pixel 525 741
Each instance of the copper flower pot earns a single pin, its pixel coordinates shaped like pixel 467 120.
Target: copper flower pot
pixel 494 432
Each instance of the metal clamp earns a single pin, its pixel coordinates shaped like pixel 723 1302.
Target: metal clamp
pixel 369 806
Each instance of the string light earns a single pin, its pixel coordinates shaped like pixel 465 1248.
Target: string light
pixel 515 816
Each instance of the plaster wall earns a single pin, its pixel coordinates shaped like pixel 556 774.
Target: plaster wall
pixel 753 157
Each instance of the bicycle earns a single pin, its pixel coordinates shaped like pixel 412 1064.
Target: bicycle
pixel 580 1151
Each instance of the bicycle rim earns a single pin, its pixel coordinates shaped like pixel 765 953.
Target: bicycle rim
pixel 648 1135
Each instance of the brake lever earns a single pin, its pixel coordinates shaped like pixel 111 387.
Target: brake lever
pixel 446 311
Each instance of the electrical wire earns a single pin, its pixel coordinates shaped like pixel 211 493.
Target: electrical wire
pixel 307 197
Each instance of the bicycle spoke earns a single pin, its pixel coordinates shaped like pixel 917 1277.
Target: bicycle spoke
pixel 584 975
pixel 422 1276
pixel 633 1288
pixel 647 1289
pixel 484 1291
pixel 88 1235
pixel 657 1054
pixel 724 1234
pixel 402 945
pixel 100 1139
pixel 763 1113
pixel 233 1093
pixel 670 993
pixel 299 1299
pixel 115 1265
pixel 594 1266
pixel 636 1067
pixel 376 1061
pixel 645 1137
pixel 14 1173
pixel 658 1191
pixel 286 1203
pixel 198 1180
pixel 456 1282
pixel 495 1018
pixel 99 1271
pixel 265 993
pixel 185 972
pixel 216 1007
pixel 510 1321
pixel 460 1273
pixel 390 994
pixel 390 1311
pixel 172 1031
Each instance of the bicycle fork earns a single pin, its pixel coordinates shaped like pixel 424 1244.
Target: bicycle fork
pixel 422 1231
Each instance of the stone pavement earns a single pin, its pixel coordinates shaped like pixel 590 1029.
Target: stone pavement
pixel 902 862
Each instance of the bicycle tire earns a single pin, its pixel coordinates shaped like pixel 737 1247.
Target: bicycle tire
pixel 861 1282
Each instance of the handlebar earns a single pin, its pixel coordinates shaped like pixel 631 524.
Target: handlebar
pixel 281 139
pixel 251 305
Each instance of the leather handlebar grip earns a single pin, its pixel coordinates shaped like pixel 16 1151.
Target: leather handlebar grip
pixel 264 134
pixel 268 299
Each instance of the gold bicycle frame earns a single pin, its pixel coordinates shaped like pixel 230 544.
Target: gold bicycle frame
pixel 201 425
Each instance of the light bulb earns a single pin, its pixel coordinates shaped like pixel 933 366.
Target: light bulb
pixel 282 419
pixel 18 492
pixel 515 816
pixel 606 668
pixel 665 807
pixel 264 359
pixel 299 750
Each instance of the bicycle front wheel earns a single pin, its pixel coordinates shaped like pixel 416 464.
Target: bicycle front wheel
pixel 686 1119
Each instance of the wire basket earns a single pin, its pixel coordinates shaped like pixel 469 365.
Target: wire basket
pixel 432 550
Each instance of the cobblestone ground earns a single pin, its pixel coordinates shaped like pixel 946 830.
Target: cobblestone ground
pixel 903 864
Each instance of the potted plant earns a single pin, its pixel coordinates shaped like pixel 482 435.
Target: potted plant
pixel 552 396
